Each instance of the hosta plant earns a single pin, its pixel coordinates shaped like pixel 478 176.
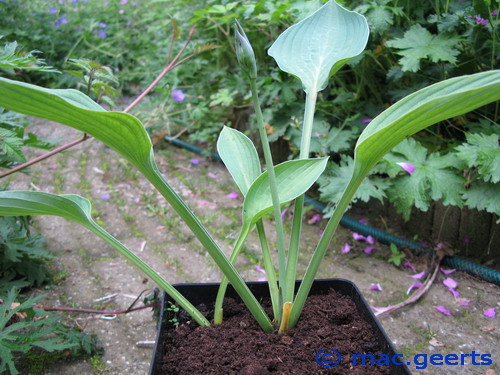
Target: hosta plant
pixel 311 50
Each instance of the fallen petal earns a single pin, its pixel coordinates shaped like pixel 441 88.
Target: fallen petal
pixel 408 167
pixel 212 175
pixel 345 249
pixel 455 293
pixel 450 283
pixel 233 195
pixel 376 287
pixel 490 313
pixel 363 221
pixel 314 219
pixel 410 266
pixel 418 276
pixel 358 237
pixel 443 310
pixel 463 302
pixel 370 240
pixel 195 161
pixel 446 272
pixel 415 285
pixel 260 269
pixel 104 197
pixel 369 249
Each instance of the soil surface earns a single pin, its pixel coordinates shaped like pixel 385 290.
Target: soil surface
pixel 128 207
pixel 238 346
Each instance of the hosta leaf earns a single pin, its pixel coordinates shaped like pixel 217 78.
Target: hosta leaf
pixel 240 157
pixel 320 44
pixel 293 178
pixel 122 132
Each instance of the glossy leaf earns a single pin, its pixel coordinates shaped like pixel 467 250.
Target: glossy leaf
pixel 122 132
pixel 293 178
pixel 78 209
pixel 240 157
pixel 438 102
pixel 320 44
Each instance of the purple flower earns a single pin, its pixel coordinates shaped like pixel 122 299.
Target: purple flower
pixel 450 283
pixel 443 310
pixel 195 161
pixel 123 2
pixel 490 313
pixel 74 2
pixel 104 197
pixel 102 25
pixel 481 21
pixel 52 10
pixel 61 21
pixel 408 167
pixel 366 120
pixel 494 13
pixel 410 266
pixel 102 34
pixel 415 285
pixel 369 249
pixel 376 287
pixel 178 95
pixel 233 195
pixel 418 276
pixel 345 249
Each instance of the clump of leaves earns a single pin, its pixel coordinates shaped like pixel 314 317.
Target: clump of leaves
pixel 23 258
pixel 396 256
pixel 96 80
pixel 11 57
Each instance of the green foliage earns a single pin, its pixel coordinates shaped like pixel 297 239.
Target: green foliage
pixel 482 152
pixel 23 258
pixel 25 328
pixel 396 256
pixel 418 43
pixel 11 57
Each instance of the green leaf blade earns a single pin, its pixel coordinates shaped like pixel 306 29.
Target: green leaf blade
pixel 293 178
pixel 320 44
pixel 121 131
pixel 240 157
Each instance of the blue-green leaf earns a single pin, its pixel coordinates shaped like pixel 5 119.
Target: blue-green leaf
pixel 240 157
pixel 320 45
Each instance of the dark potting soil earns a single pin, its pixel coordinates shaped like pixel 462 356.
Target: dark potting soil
pixel 239 346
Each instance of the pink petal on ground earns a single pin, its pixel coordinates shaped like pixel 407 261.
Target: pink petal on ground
pixel 408 167
pixel 105 197
pixel 450 283
pixel 463 302
pixel 415 285
pixel 446 272
pixel 370 240
pixel 260 269
pixel 369 249
pixel 455 293
pixel 410 266
pixel 212 175
pixel 195 161
pixel 376 287
pixel 443 310
pixel 233 195
pixel 440 245
pixel 418 276
pixel 345 249
pixel 358 237
pixel 314 219
pixel 490 313
pixel 363 221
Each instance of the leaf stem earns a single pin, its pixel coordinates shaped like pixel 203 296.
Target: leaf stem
pixel 319 252
pixel 280 236
pixel 293 251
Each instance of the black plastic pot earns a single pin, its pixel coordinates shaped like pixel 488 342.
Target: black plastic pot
pixel 206 294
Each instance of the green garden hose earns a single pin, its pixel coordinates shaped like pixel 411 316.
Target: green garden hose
pixel 460 264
